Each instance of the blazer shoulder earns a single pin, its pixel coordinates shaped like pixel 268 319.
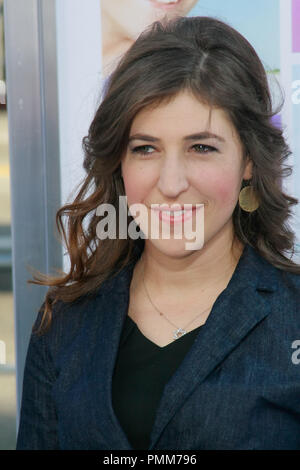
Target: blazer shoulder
pixel 69 320
pixel 88 307
pixel 289 297
pixel 291 281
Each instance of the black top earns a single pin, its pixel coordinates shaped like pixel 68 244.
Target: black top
pixel 141 371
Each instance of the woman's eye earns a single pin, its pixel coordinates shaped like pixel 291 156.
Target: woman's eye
pixel 143 149
pixel 201 148
pixel 149 150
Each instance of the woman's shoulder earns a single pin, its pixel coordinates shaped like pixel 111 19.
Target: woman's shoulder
pixel 69 320
pixel 287 277
pixel 279 287
pixel 86 312
pixel 291 281
pixel 287 301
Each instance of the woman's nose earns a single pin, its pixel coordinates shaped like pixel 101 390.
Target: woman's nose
pixel 172 178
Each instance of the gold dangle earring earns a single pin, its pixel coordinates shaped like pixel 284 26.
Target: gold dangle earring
pixel 248 199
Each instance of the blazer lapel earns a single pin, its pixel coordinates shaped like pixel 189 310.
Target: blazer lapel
pixel 113 302
pixel 237 310
pixel 234 314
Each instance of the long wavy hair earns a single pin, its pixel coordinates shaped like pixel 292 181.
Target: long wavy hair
pixel 220 67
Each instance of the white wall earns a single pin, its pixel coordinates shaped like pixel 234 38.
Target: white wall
pixel 79 83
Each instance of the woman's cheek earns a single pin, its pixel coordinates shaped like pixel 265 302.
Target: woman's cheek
pixel 226 194
pixel 220 188
pixel 134 191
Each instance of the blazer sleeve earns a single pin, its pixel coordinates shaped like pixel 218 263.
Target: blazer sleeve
pixel 38 419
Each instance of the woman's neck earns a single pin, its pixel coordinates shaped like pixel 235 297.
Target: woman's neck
pixel 187 277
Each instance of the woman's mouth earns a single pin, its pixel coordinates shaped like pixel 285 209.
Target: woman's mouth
pixel 176 216
pixel 165 4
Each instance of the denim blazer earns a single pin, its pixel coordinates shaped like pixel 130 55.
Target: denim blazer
pixel 238 387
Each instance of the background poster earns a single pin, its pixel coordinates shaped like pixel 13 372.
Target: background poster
pixel 258 21
pixel 123 20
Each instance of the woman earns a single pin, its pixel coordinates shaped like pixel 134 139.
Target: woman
pixel 146 344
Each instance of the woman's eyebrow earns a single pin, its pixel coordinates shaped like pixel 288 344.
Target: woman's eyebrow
pixel 199 135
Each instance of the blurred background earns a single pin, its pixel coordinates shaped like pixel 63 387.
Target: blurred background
pixel 7 370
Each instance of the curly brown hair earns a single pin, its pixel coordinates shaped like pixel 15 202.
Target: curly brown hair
pixel 220 67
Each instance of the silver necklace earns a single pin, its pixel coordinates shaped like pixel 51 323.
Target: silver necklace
pixel 179 331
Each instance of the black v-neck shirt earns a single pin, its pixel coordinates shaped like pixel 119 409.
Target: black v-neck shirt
pixel 141 371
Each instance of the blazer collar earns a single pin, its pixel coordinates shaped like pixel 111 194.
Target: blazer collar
pixel 235 312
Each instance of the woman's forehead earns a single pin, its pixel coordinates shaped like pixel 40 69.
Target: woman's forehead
pixel 183 111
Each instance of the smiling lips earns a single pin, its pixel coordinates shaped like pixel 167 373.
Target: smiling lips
pixel 176 216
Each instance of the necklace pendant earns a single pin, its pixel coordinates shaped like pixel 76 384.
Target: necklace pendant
pixel 178 333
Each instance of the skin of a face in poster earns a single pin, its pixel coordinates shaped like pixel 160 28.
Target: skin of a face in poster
pixel 123 20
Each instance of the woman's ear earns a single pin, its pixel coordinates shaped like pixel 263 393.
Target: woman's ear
pixel 248 171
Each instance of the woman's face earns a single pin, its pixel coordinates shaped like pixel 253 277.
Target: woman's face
pixel 133 16
pixel 185 152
